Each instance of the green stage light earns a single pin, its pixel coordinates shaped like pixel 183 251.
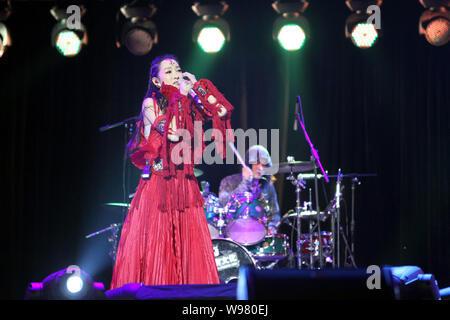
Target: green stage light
pixel 210 31
pixel 291 37
pixel 211 39
pixel 291 29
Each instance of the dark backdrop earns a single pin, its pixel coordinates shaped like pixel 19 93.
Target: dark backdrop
pixel 382 111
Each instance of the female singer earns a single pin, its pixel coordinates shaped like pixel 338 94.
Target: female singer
pixel 165 238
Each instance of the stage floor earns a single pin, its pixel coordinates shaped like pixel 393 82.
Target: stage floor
pixel 136 291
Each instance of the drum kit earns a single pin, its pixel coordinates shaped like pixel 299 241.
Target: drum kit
pixel 241 235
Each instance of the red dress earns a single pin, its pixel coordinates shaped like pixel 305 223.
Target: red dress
pixel 165 238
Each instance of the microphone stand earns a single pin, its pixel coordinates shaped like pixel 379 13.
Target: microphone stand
pixel 113 239
pixel 125 123
pixel 129 124
pixel 317 164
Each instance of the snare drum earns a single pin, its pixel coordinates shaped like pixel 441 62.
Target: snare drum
pixel 247 218
pixel 230 256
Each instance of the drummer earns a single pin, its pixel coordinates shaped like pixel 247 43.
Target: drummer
pixel 253 180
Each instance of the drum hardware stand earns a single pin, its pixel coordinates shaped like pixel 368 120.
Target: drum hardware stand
pixel 299 184
pixel 221 223
pixel 130 125
pixel 347 247
pixel 355 181
pixel 338 219
pixel 310 230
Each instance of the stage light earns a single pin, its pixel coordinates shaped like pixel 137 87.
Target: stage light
pixel 71 283
pixel 326 284
pixel 291 37
pixel 414 284
pixel 68 36
pixel 211 32
pixel 5 38
pixel 138 33
pixel 363 34
pixel 211 39
pixel 361 27
pixel 291 29
pixel 74 284
pixel 434 23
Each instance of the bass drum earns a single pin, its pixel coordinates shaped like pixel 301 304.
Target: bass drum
pixel 230 256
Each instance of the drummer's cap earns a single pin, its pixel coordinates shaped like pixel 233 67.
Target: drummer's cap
pixel 258 154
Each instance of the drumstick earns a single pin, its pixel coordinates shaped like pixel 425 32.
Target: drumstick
pixel 237 154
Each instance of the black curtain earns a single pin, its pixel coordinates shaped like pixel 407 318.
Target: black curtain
pixel 383 110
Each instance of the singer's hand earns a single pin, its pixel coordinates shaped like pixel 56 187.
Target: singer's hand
pixel 185 86
pixel 247 173
pixel 190 76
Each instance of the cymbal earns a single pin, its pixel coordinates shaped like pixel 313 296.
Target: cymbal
pixel 309 214
pixel 197 172
pixel 354 175
pixel 295 166
pixel 117 204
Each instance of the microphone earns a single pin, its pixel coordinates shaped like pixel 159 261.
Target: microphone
pixel 295 117
pixel 195 97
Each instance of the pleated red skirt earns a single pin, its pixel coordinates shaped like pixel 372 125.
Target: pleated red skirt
pixel 165 247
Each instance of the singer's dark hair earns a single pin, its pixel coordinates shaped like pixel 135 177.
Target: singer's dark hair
pixel 152 89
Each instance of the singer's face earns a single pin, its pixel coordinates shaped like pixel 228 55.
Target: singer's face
pixel 169 73
pixel 257 169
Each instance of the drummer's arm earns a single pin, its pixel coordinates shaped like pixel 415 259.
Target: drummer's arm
pixel 228 188
pixel 274 206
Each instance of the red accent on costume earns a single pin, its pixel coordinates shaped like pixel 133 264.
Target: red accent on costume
pixel 165 238
pixel 204 89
